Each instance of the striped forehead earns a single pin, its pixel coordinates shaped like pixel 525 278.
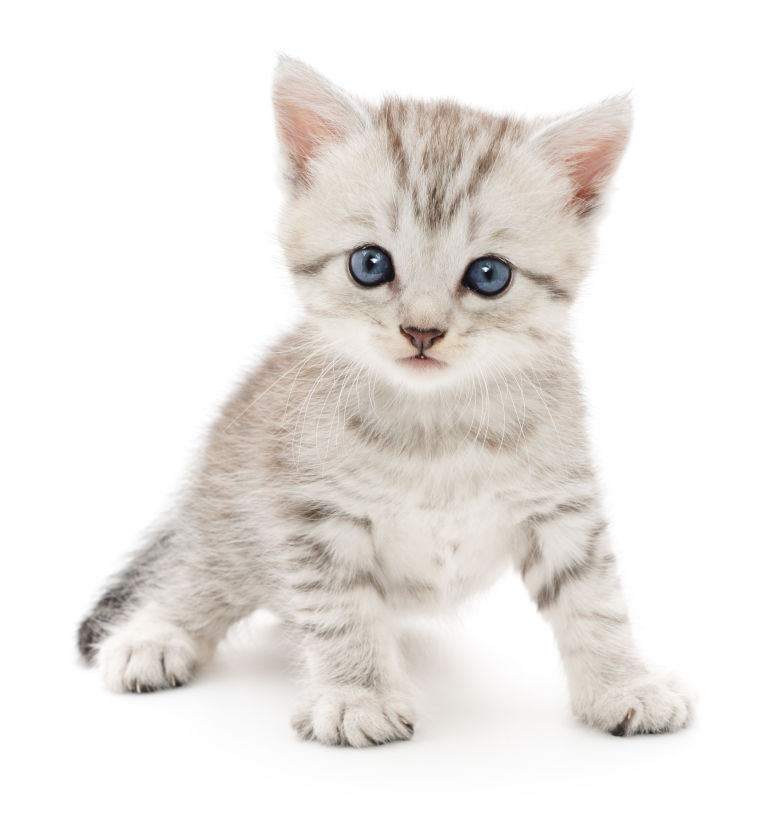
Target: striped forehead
pixel 441 153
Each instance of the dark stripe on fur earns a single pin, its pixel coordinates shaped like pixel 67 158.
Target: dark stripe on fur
pixel 367 579
pixel 602 618
pixel 549 284
pixel 486 160
pixel 416 588
pixel 327 633
pixel 534 554
pixel 311 586
pixel 549 593
pixel 315 266
pixel 317 511
pixel 566 508
pixel 391 114
pixel 319 556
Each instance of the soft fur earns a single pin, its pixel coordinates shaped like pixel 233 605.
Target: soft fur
pixel 342 483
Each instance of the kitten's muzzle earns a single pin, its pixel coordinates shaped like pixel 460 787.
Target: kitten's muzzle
pixel 422 339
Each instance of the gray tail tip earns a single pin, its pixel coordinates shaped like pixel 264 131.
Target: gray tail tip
pixel 89 634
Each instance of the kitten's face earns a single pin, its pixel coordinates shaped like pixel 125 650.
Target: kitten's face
pixel 431 242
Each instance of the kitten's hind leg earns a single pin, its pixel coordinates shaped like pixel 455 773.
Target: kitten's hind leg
pixel 149 652
pixel 153 628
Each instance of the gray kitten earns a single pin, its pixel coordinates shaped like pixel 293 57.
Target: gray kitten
pixel 421 431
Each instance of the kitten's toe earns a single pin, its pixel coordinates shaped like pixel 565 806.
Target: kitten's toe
pixel 355 717
pixel 652 704
pixel 143 663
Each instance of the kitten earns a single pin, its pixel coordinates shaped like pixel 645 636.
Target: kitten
pixel 418 433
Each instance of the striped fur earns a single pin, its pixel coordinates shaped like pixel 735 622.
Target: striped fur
pixel 341 485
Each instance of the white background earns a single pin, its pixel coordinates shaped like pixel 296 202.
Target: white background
pixel 140 276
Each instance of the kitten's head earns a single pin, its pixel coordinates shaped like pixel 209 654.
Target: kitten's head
pixel 430 241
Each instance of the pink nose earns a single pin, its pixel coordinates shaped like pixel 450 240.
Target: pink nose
pixel 422 338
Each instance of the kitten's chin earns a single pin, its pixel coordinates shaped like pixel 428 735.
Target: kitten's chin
pixel 421 373
pixel 418 374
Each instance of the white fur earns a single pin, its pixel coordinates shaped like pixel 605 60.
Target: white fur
pixel 147 653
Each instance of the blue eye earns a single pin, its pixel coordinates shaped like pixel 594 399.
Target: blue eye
pixel 371 266
pixel 487 276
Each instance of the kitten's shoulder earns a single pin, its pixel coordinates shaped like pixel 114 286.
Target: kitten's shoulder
pixel 263 390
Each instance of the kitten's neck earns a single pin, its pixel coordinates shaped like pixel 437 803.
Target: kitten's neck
pixel 496 409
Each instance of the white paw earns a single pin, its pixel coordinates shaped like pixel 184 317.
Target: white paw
pixel 650 704
pixel 147 658
pixel 355 717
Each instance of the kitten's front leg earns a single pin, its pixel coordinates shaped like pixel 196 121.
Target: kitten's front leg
pixel 357 694
pixel 570 573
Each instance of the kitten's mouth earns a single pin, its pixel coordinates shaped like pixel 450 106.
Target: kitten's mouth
pixel 422 362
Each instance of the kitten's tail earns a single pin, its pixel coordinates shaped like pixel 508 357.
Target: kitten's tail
pixel 121 597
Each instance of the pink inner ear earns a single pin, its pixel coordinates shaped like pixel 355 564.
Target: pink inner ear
pixel 303 131
pixel 590 168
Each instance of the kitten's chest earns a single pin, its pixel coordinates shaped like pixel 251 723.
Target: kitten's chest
pixel 434 556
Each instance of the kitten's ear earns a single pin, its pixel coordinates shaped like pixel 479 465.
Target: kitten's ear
pixel 311 113
pixel 588 145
